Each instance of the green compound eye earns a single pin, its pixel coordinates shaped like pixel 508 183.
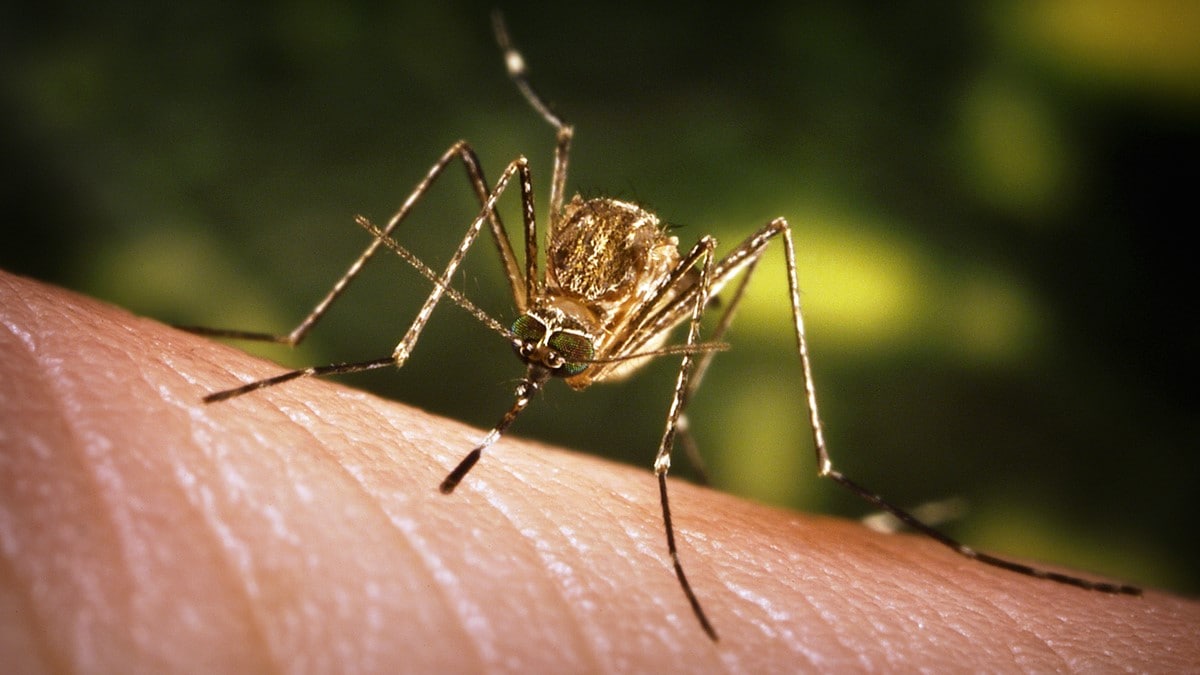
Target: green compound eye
pixel 528 328
pixel 577 351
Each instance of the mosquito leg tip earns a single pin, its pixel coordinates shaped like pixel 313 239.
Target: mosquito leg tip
pixel 218 396
pixel 1119 589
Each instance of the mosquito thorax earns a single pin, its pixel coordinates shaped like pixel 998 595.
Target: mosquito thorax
pixel 546 336
pixel 606 252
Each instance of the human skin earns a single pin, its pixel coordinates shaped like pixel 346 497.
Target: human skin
pixel 300 528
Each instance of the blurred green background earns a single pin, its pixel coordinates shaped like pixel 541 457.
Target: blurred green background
pixel 990 202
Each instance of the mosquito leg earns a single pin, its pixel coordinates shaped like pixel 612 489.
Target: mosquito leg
pixel 743 260
pixel 441 283
pixel 969 552
pixel 462 150
pixel 441 286
pixel 533 282
pixel 662 462
pixel 825 465
pixel 518 167
pixel 535 377
pixel 683 427
pixel 724 322
pixel 313 371
pixel 514 63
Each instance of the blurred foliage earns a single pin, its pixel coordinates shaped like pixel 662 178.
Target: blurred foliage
pixel 986 198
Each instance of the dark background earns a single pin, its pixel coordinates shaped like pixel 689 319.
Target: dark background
pixel 990 202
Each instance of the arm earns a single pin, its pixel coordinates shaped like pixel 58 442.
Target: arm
pixel 301 526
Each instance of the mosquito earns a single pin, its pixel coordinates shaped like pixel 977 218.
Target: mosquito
pixel 614 288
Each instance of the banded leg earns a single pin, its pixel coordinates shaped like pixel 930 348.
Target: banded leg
pixel 662 462
pixel 826 469
pixel 462 150
pixel 535 377
pixel 514 63
pixel 743 260
pixel 518 168
pixel 683 426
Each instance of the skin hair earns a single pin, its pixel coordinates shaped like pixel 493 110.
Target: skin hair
pixel 301 527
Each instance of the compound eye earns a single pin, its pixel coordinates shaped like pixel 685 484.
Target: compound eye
pixel 576 351
pixel 528 328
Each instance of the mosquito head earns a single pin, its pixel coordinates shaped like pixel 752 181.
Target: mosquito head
pixel 546 337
